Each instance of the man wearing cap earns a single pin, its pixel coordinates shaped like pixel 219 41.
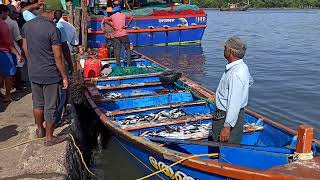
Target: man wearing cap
pixel 47 73
pixel 232 94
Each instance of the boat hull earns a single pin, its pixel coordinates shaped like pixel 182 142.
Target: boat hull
pixel 153 162
pixel 155 30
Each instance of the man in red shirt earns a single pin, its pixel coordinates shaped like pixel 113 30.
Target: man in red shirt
pixel 8 54
pixel 120 33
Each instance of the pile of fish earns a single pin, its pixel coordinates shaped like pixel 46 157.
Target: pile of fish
pixel 185 132
pixel 111 96
pixel 142 66
pixel 252 127
pixel 151 118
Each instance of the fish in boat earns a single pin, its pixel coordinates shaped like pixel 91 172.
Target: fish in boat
pixel 168 133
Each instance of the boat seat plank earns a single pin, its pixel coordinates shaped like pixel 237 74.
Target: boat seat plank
pixel 123 86
pixel 170 122
pixel 136 110
pixel 113 78
pixel 134 96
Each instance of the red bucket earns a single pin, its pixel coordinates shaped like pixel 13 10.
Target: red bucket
pixel 103 52
pixel 92 68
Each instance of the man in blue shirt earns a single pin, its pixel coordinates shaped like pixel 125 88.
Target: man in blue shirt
pixel 232 94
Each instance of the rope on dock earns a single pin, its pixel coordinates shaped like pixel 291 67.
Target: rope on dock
pixel 178 162
pixel 38 139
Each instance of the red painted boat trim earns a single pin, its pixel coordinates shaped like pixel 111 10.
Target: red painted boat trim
pixel 158 29
pixel 156 17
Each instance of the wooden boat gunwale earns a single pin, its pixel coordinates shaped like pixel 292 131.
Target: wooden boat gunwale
pixel 204 165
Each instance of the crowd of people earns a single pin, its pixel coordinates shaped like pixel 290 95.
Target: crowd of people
pixel 37 34
pixel 34 36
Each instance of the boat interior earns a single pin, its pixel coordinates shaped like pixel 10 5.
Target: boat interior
pixel 175 117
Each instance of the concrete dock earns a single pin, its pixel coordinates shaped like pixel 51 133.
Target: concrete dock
pixel 33 160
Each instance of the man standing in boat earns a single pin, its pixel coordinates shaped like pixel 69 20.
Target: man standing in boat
pixel 232 94
pixel 120 34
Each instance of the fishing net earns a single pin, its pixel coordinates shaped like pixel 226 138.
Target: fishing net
pixel 185 7
pixel 133 70
pixel 164 9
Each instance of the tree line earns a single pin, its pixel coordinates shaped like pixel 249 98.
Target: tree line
pixel 260 3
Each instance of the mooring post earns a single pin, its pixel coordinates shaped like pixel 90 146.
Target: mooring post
pixel 304 144
pixel 84 19
pixel 70 12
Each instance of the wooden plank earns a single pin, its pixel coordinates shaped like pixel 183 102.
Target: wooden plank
pixel 113 61
pixel 123 86
pixel 137 110
pixel 95 94
pixel 123 77
pixel 171 122
pixel 134 96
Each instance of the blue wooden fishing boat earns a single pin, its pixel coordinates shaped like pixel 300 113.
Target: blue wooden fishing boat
pixel 165 127
pixel 158 25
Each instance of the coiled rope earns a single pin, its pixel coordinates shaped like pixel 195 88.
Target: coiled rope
pixel 178 162
pixel 38 139
pixel 302 156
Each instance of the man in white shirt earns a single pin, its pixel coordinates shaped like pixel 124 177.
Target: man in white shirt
pixel 71 32
pixel 232 94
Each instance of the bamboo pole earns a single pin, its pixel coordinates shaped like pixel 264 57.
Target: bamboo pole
pixel 84 17
pixel 77 19
pixel 77 25
pixel 70 12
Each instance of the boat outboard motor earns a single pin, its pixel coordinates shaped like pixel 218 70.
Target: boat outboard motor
pixel 170 76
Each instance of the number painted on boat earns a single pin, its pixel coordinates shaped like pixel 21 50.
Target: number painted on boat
pixel 177 175
pixel 201 19
pixel 165 20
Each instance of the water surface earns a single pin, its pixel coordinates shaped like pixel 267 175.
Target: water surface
pixel 283 57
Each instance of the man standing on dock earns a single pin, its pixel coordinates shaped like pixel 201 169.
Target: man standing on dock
pixel 121 35
pixel 47 73
pixel 8 54
pixel 232 94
